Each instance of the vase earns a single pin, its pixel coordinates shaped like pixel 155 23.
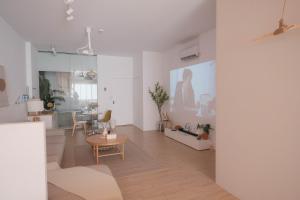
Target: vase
pixel 204 136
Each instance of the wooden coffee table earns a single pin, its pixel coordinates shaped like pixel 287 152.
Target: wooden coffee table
pixel 99 141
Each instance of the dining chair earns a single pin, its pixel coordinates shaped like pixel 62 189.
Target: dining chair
pixel 105 121
pixel 78 124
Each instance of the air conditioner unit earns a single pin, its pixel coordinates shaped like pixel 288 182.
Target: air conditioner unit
pixel 189 53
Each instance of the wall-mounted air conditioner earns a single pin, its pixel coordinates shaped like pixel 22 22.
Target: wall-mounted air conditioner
pixel 189 53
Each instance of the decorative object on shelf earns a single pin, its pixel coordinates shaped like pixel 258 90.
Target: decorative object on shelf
pixel 91 75
pixel 35 106
pixel 159 96
pixel 36 119
pixel 111 136
pixel 22 99
pixel 105 132
pixel 3 93
pixel 188 139
pixel 165 119
pixel 206 129
pixel 50 97
pixel 177 127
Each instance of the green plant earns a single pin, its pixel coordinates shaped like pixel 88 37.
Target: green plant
pixel 50 97
pixel 205 127
pixel 159 96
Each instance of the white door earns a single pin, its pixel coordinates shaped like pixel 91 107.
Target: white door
pixel 122 100
pixel 116 87
pixel 116 95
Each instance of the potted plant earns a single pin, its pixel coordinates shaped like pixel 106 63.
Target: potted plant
pixel 159 96
pixel 49 96
pixel 206 129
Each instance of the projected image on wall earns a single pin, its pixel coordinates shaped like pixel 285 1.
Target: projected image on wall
pixel 192 92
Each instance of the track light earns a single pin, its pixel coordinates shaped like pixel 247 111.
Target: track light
pixel 53 51
pixel 69 11
pixel 68 2
pixel 70 18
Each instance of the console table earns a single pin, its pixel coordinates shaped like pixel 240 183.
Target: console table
pixel 50 119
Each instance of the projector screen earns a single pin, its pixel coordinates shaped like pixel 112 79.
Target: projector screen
pixel 193 93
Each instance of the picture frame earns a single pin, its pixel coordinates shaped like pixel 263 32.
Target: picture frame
pixel 3 88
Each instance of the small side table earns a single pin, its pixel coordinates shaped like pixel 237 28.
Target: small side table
pixel 99 141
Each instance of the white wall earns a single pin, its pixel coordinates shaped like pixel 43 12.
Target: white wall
pixel 138 90
pixel 206 43
pixel 34 71
pixel 152 73
pixel 65 62
pixel 258 101
pixel 43 61
pixel 28 55
pixel 115 87
pixel 12 56
pixel 23 161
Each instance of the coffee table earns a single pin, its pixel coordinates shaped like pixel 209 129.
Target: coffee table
pixel 99 141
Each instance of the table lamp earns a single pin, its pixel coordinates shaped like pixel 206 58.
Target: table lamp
pixel 35 106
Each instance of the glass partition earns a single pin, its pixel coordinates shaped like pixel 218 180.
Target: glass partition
pixel 68 92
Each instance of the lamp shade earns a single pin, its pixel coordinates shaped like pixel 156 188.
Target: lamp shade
pixel 35 105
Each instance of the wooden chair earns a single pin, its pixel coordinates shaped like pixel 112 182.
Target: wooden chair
pixel 77 124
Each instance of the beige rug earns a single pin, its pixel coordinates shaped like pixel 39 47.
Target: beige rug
pixel 136 160
pixel 85 182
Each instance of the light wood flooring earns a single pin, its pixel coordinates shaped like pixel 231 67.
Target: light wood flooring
pixel 155 167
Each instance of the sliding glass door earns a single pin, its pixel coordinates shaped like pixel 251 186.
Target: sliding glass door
pixel 68 91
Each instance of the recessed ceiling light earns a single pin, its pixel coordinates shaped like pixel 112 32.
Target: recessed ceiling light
pixel 70 18
pixel 70 11
pixel 100 30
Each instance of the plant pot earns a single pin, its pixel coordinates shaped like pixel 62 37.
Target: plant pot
pixel 161 127
pixel 204 136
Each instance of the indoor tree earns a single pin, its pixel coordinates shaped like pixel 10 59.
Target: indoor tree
pixel 159 96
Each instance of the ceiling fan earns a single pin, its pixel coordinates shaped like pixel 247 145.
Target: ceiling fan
pixel 282 28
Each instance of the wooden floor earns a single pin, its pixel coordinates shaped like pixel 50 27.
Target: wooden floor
pixel 155 167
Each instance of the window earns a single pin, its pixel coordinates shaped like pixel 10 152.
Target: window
pixel 85 91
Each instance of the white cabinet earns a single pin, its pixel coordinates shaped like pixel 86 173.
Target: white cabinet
pixel 188 140
pixel 50 119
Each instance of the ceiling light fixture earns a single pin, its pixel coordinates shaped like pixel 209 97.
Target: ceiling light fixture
pixel 70 18
pixel 53 51
pixel 69 11
pixel 87 49
pixel 68 2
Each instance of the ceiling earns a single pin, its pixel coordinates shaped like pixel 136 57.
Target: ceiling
pixel 130 25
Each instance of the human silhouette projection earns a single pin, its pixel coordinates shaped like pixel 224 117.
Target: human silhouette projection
pixel 184 96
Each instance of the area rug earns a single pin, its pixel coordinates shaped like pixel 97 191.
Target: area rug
pixel 136 160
